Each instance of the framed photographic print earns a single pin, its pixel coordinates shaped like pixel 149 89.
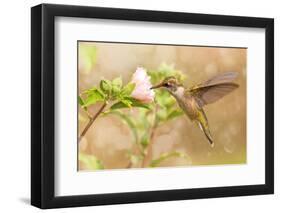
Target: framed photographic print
pixel 140 106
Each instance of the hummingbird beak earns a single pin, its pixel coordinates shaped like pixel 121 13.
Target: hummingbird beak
pixel 157 86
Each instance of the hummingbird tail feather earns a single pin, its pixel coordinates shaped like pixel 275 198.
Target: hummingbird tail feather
pixel 207 133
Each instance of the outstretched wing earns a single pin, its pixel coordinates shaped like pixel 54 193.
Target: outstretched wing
pixel 214 88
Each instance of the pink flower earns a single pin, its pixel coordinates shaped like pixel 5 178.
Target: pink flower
pixel 142 91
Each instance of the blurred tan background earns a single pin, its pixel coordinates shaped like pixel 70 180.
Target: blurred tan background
pixel 109 138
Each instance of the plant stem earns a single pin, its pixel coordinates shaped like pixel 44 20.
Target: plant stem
pixel 148 155
pixel 91 121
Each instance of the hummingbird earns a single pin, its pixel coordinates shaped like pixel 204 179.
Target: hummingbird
pixel 193 99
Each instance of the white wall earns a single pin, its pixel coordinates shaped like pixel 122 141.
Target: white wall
pixel 15 105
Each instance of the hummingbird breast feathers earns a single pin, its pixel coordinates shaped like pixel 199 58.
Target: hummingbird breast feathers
pixel 186 102
pixel 190 107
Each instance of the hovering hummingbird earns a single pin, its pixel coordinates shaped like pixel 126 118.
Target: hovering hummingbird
pixel 192 100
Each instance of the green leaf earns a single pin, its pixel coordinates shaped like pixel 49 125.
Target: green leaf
pixel 128 121
pixel 164 99
pixel 116 86
pixel 106 86
pixel 161 114
pixel 101 93
pixel 115 91
pixel 81 101
pixel 174 114
pixel 93 90
pixel 144 140
pixel 128 102
pixel 118 105
pixel 136 103
pixel 117 82
pixel 163 71
pixel 164 156
pixel 128 89
pixel 93 97
pixel 90 161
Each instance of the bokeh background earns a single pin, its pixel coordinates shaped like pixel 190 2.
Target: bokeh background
pixel 109 139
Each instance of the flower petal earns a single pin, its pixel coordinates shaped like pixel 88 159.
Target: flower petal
pixel 142 91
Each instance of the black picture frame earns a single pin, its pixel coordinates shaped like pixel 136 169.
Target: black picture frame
pixel 43 102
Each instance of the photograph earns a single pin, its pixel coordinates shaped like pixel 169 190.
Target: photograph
pixel 160 105
pixel 142 105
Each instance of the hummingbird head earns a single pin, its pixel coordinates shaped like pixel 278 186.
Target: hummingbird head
pixel 169 83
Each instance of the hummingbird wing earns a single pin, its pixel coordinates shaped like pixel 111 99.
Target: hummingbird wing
pixel 214 88
pixel 225 77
